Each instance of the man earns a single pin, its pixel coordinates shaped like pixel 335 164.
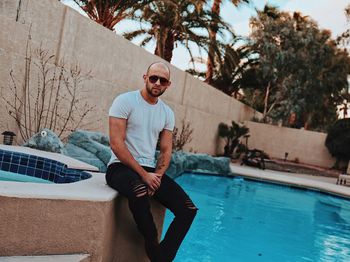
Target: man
pixel 136 120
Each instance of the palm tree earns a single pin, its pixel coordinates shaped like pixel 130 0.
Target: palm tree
pixel 213 29
pixel 231 134
pixel 230 70
pixel 110 12
pixel 175 21
pixel 228 74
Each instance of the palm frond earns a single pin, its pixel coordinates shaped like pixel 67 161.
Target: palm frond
pixel 131 35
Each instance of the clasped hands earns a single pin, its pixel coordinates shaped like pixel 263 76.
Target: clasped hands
pixel 153 180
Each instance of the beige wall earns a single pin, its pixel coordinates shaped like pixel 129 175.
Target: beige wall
pixel 307 146
pixel 116 66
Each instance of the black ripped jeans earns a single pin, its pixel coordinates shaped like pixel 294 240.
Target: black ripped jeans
pixel 128 183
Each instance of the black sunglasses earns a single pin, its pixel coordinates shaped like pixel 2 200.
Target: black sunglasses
pixel 163 81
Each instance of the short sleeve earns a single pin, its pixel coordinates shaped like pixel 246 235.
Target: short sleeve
pixel 170 121
pixel 120 107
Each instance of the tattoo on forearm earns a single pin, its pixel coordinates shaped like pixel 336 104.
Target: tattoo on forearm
pixel 160 162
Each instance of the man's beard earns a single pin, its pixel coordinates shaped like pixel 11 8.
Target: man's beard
pixel 150 92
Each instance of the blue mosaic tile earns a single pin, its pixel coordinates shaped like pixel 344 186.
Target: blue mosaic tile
pixel 15 159
pixel 23 161
pixel 39 164
pixel 7 158
pixel 45 175
pixel 30 171
pixel 38 173
pixel 13 168
pixel 22 169
pixel 5 166
pixel 47 165
pixel 51 177
pixel 40 167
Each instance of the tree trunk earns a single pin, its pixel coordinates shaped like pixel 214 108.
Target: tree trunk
pixel 234 144
pixel 161 36
pixel 169 46
pixel 308 120
pixel 212 36
pixel 266 100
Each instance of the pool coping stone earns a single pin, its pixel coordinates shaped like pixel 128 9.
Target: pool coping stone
pixel 322 184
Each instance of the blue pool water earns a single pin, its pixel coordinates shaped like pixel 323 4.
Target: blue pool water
pixel 242 220
pixel 14 177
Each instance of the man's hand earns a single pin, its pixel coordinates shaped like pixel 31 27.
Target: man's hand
pixel 153 180
pixel 150 191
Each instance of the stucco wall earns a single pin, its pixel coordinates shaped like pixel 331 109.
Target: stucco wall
pixel 116 66
pixel 105 230
pixel 307 146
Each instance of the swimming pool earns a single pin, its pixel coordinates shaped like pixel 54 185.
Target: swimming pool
pixel 242 220
pixel 21 167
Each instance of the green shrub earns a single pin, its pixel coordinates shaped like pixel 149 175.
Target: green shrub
pixel 338 141
pixel 183 137
pixel 232 135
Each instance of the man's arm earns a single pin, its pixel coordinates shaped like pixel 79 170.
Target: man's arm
pixel 163 161
pixel 117 134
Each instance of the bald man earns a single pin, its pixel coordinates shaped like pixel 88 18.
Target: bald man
pixel 136 120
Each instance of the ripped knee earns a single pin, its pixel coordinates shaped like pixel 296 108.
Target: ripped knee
pixel 187 212
pixel 140 190
pixel 189 204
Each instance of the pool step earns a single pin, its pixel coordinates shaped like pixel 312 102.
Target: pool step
pixel 50 258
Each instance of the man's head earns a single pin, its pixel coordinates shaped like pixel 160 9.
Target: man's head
pixel 157 79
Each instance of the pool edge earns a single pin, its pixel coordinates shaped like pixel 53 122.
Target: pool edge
pixel 288 180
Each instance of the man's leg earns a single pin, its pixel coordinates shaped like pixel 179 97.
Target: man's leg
pixel 128 183
pixel 172 196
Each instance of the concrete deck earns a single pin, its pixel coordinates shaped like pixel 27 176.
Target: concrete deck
pixel 318 183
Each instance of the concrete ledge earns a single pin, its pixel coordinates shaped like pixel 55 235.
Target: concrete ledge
pixel 91 189
pixel 54 258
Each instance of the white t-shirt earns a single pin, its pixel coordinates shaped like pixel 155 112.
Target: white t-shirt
pixel 144 123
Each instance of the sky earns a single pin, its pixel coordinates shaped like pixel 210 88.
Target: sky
pixel 329 14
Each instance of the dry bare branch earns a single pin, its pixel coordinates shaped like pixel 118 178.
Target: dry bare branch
pixel 48 96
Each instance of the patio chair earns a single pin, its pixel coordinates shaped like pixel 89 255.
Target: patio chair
pixel 254 158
